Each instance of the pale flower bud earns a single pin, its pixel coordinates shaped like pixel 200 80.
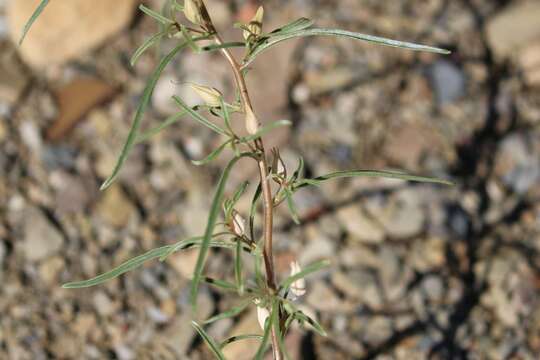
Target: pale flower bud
pixel 238 224
pixel 211 96
pixel 298 288
pixel 255 25
pixel 262 315
pixel 252 123
pixel 192 12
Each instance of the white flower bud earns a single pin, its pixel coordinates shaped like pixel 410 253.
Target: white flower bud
pixel 252 123
pixel 298 288
pixel 192 12
pixel 238 224
pixel 255 25
pixel 210 95
pixel 262 315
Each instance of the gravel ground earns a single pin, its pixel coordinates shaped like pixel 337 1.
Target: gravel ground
pixel 418 271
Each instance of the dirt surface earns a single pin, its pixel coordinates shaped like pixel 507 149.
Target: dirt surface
pixel 418 271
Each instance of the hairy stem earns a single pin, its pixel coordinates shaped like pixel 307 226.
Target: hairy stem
pixel 265 184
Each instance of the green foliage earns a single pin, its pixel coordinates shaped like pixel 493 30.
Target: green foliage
pixel 212 345
pixel 32 19
pixel 261 290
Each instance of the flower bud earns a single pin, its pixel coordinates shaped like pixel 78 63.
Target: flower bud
pixel 298 288
pixel 252 123
pixel 193 12
pixel 278 166
pixel 262 315
pixel 238 225
pixel 255 25
pixel 211 96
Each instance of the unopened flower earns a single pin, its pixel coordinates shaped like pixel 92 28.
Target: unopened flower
pixel 298 287
pixel 262 315
pixel 210 95
pixel 278 166
pixel 238 225
pixel 255 25
pixel 252 123
pixel 193 12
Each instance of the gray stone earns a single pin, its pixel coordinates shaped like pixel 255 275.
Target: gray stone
pixel 41 238
pixel 447 80
pixel 518 162
pixel 359 226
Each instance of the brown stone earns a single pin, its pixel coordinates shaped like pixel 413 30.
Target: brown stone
pixel 75 100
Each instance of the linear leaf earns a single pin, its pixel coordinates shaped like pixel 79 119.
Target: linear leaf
pixel 240 338
pixel 32 19
pixel 147 94
pixel 153 131
pixel 195 115
pixel 162 253
pixel 305 272
pixel 277 327
pixel 266 129
pixel 267 43
pixel 227 45
pixel 209 341
pixel 148 43
pixel 296 25
pixel 291 206
pixel 238 267
pixel 123 268
pixel 222 284
pixel 253 209
pixel 370 173
pixel 264 342
pixel 299 315
pixel 213 155
pixel 229 313
pixel 156 16
pixel 212 218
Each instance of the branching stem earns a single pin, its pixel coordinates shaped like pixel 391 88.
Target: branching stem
pixel 268 201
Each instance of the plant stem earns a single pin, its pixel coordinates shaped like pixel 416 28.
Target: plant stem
pixel 268 201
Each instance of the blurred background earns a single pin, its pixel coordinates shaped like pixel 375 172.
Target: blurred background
pixel 419 271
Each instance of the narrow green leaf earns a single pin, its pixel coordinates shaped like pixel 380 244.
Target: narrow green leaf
pixel 222 284
pixel 213 155
pixel 296 25
pixel 299 172
pixel 156 16
pixel 229 313
pixel 291 206
pixel 300 316
pixel 148 43
pixel 153 131
pixel 209 341
pixel 305 272
pixel 267 43
pixel 227 45
pixel 253 209
pixel 147 95
pixel 32 19
pixel 370 173
pixel 238 267
pixel 195 115
pixel 123 268
pixel 189 40
pixel 264 342
pixel 240 338
pixel 196 242
pixel 212 218
pixel 266 129
pixel 277 327
pixel 226 115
